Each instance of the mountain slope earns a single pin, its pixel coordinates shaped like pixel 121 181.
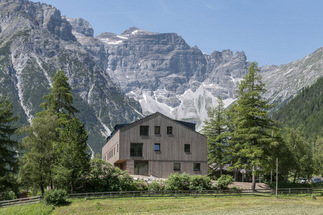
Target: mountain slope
pixel 286 81
pixel 306 110
pixel 35 41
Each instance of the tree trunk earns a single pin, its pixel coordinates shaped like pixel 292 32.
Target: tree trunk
pixel 221 170
pixel 235 174
pixel 51 179
pixel 72 182
pixel 253 185
pixel 41 183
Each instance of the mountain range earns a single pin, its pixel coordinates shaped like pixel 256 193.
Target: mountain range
pixel 120 78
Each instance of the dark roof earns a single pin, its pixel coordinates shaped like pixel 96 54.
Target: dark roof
pixel 116 128
pixel 187 124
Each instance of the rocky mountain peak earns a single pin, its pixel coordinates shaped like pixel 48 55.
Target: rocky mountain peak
pixel 34 15
pixel 81 26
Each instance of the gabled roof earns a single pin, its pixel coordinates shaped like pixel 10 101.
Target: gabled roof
pixel 123 127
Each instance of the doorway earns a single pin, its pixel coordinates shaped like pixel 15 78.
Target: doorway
pixel 141 168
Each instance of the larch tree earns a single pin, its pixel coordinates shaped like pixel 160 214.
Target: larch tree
pixel 8 145
pixel 216 130
pixel 37 163
pixel 252 123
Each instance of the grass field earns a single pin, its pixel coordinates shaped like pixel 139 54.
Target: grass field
pixel 181 205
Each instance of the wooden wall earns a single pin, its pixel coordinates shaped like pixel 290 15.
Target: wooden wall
pixel 171 146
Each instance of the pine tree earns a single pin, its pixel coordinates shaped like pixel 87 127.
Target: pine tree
pixel 216 130
pixel 8 146
pixel 60 99
pixel 252 123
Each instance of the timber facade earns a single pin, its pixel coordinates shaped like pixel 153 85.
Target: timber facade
pixel 157 145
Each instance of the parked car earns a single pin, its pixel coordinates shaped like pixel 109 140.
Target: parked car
pixel 316 180
pixel 302 181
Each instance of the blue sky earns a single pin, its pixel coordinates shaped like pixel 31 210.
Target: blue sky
pixel 271 32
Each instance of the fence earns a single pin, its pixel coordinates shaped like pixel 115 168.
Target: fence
pixel 171 193
pixel 291 191
pixel 21 201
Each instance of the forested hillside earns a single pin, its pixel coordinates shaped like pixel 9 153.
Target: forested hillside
pixel 305 110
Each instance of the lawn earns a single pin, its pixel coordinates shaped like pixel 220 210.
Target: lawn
pixel 185 205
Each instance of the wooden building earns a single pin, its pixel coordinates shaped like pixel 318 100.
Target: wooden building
pixel 157 145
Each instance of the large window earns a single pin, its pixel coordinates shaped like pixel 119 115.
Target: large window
pixel 157 129
pixel 187 148
pixel 144 130
pixel 136 149
pixel 177 166
pixel 197 167
pixel 169 130
pixel 157 147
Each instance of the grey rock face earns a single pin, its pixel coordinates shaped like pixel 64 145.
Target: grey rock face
pixel 286 81
pixel 81 26
pixel 165 74
pixel 35 41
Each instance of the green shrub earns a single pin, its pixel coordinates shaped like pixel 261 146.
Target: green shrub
pixel 199 182
pixel 178 182
pixel 55 197
pixel 9 195
pixel 141 185
pixel 156 186
pixel 224 181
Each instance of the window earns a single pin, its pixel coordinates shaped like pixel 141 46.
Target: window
pixel 169 130
pixel 197 167
pixel 157 129
pixel 187 148
pixel 157 147
pixel 177 166
pixel 136 149
pixel 144 130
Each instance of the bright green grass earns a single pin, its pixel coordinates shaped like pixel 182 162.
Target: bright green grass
pixel 201 205
pixel 182 205
pixel 31 209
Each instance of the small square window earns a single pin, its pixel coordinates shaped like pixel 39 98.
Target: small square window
pixel 177 166
pixel 197 167
pixel 157 147
pixel 157 129
pixel 144 130
pixel 169 130
pixel 187 148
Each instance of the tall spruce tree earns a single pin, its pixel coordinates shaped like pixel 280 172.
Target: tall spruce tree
pixel 252 123
pixel 60 99
pixel 74 159
pixel 8 145
pixel 216 130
